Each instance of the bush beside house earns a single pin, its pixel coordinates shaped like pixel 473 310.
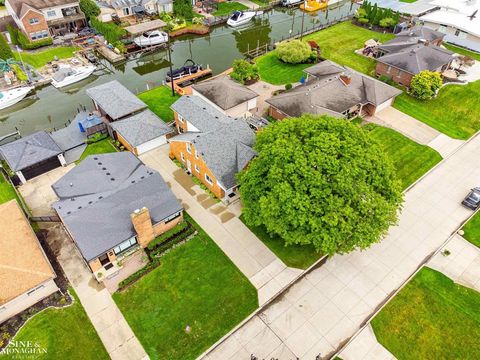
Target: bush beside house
pixel 294 51
pixel 244 71
pixel 5 51
pixel 425 85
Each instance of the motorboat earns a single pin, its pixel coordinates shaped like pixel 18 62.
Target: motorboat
pixel 151 38
pixel 240 18
pixel 314 5
pixel 291 2
pixel 188 68
pixel 13 96
pixel 67 75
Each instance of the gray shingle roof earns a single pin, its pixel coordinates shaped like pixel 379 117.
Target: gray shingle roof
pixel 96 209
pixel 29 150
pixel 115 99
pixel 225 92
pixel 140 128
pixel 329 95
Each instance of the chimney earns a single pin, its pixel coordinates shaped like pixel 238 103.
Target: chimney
pixel 143 226
pixel 346 79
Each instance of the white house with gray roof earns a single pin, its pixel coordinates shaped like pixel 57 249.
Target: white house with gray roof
pixel 112 204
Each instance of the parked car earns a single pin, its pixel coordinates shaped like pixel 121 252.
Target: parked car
pixel 188 68
pixel 472 200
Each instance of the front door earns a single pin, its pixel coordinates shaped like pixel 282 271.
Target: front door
pixel 104 260
pixel 189 166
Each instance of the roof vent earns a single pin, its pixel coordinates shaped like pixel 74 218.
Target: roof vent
pixel 104 168
pixel 112 179
pixel 79 207
pixel 143 177
pixel 136 211
pixel 204 108
pixel 90 202
pixel 99 163
pixel 71 184
pixel 107 173
pixel 69 212
pixel 100 197
pixel 95 158
pixel 72 199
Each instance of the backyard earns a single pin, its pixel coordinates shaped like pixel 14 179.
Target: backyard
pixel 40 58
pixel 159 101
pixel 7 192
pixel 190 301
pixel 431 318
pixel 472 230
pixel 410 159
pixel 65 333
pixel 226 8
pixel 100 147
pixel 276 72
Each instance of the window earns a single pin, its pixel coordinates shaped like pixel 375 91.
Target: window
pixel 196 154
pixel 33 290
pixel 51 13
pixel 180 118
pixel 189 148
pixel 399 74
pixel 197 169
pixel 388 69
pixel 33 21
pixel 126 11
pixel 172 217
pixel 208 179
pixel 182 156
pixel 39 35
pixel 442 28
pixel 124 246
pixel 461 34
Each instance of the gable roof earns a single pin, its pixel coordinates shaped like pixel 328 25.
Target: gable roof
pixel 23 264
pixel 328 94
pixel 140 128
pixel 29 150
pixel 98 196
pixel 20 7
pixel 115 99
pixel 224 92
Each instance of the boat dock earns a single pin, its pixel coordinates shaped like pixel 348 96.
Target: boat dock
pixel 182 85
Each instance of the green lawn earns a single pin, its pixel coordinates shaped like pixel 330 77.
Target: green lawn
pixel 276 72
pixel 472 230
pixel 101 147
pixel 65 333
pixel 7 192
pixel 196 285
pixel 454 111
pixel 411 159
pixel 462 51
pixel 159 101
pixel 431 318
pixel 408 1
pixel 40 58
pixel 226 8
pixel 296 256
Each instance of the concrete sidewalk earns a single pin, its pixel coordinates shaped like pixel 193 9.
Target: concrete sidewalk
pixel 260 265
pixel 326 307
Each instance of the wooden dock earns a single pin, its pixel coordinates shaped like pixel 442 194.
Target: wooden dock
pixel 110 55
pixel 182 85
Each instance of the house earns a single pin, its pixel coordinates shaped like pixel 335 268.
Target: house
pixel 227 95
pixel 212 146
pixel 112 204
pixel 42 19
pixel 128 119
pixel 459 20
pixel 334 90
pixel 141 132
pixel 26 276
pixel 124 8
pixel 32 155
pixel 411 52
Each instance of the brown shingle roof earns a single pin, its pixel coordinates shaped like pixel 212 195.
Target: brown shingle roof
pixel 36 4
pixel 23 264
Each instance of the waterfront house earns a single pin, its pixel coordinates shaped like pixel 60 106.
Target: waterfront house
pixel 112 204
pixel 124 8
pixel 212 146
pixel 334 90
pixel 32 155
pixel 227 95
pixel 43 19
pixel 26 276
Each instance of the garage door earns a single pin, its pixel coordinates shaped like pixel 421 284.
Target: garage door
pixel 150 145
pixel 41 168
pixel 384 105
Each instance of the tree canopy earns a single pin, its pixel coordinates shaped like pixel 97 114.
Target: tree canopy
pixel 89 8
pixel 183 8
pixel 425 85
pixel 322 181
pixel 244 71
pixel 293 51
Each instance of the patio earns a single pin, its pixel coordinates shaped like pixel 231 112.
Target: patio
pixel 128 265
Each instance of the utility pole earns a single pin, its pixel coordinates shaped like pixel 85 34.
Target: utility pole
pixel 303 19
pixel 170 65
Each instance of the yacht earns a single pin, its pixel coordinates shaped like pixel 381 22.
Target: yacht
pixel 151 38
pixel 240 17
pixel 67 75
pixel 13 96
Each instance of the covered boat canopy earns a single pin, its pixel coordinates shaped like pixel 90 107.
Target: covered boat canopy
pixel 145 27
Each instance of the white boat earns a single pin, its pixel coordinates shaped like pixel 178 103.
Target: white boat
pixel 13 96
pixel 67 75
pixel 240 17
pixel 151 38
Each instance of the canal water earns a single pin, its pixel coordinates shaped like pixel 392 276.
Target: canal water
pixel 51 108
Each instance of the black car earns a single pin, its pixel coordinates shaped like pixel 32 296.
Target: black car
pixel 472 201
pixel 187 69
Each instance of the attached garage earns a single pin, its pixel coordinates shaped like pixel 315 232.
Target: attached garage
pixel 141 132
pixel 384 105
pixel 41 168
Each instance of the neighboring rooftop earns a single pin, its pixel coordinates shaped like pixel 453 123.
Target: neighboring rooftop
pixel 145 27
pixel 23 264
pixel 115 99
pixel 98 196
pixel 142 127
pixel 409 37
pixel 29 150
pixel 224 92
pixel 21 6
pixel 327 93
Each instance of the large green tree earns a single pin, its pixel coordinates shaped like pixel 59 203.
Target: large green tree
pixel 89 8
pixel 425 85
pixel 5 51
pixel 322 181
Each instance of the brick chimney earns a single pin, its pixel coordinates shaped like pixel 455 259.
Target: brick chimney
pixel 143 226
pixel 346 79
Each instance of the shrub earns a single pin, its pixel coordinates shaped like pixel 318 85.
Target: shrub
pixel 5 51
pixel 293 51
pixel 363 21
pixel 183 8
pixel 243 71
pixel 425 85
pixel 19 73
pixel 26 44
pixel 167 235
pixel 372 14
pixel 387 23
pixel 110 31
pixel 96 138
pixel 288 86
pixel 13 34
pixel 89 8
pixel 172 242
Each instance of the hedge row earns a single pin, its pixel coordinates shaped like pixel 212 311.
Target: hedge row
pixel 110 31
pixel 170 243
pixel 177 229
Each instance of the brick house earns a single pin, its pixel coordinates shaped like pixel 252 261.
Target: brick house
pixel 112 204
pixel 42 19
pixel 411 52
pixel 334 90
pixel 212 146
